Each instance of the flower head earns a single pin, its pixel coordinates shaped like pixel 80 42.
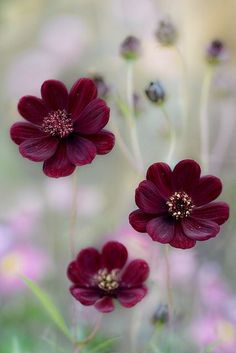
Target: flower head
pixel 155 93
pixel 98 278
pixel 130 48
pixel 102 87
pixel 63 130
pixel 176 206
pixel 216 52
pixel 166 33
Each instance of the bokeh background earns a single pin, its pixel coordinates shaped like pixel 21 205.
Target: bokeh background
pixel 67 39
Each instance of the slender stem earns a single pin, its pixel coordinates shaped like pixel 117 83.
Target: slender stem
pixel 172 135
pixel 73 217
pixel 79 345
pixel 204 125
pixel 168 285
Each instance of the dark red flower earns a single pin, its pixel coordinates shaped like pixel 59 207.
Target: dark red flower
pixel 63 129
pixel 100 278
pixel 176 206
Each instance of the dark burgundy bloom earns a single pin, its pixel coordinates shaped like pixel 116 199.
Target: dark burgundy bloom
pixel 100 278
pixel 176 206
pixel 63 129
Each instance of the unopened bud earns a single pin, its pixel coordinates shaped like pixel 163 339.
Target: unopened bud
pixel 155 93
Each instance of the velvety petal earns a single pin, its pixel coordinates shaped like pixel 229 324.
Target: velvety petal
pixel 80 151
pixel 185 176
pixel 55 95
pixel 180 241
pixel 138 220
pixel 81 94
pixel 22 131
pixel 148 198
pixel 85 296
pixel 200 229
pixel 59 164
pixel 161 229
pixel 38 149
pixel 104 141
pixel 130 297
pixel 208 189
pixel 114 255
pixel 105 305
pixel 76 276
pixel 135 274
pixel 160 175
pixel 89 261
pixel 216 211
pixel 33 109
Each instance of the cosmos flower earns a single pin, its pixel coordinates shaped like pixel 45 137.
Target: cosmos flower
pixel 63 130
pixel 130 48
pixel 176 206
pixel 100 278
pixel 216 52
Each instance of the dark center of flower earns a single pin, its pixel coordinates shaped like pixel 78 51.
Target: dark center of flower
pixel 180 205
pixel 106 280
pixel 58 123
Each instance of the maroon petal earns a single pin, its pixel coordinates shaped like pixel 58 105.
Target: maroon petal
pixel 85 296
pixel 148 198
pixel 135 274
pixel 89 261
pixel 33 109
pixel 93 118
pixel 161 229
pixel 114 255
pixel 185 176
pixel 81 94
pixel 180 241
pixel 160 175
pixel 105 305
pixel 38 149
pixel 216 211
pixel 208 189
pixel 55 95
pixel 59 165
pixel 80 151
pixel 76 276
pixel 23 131
pixel 139 220
pixel 200 229
pixel 104 141
pixel 130 297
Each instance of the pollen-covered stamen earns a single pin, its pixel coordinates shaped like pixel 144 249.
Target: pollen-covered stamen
pixel 180 205
pixel 106 280
pixel 58 123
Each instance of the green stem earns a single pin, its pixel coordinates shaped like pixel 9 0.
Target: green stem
pixel 172 135
pixel 73 218
pixel 169 285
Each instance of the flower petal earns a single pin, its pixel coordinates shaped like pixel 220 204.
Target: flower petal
pixel 93 118
pixel 216 211
pixel 200 229
pixel 38 149
pixel 148 198
pixel 55 94
pixel 185 176
pixel 80 151
pixel 104 141
pixel 85 296
pixel 130 297
pixel 161 229
pixel 33 109
pixel 89 261
pixel 138 220
pixel 114 255
pixel 135 274
pixel 208 189
pixel 22 131
pixel 59 165
pixel 180 241
pixel 160 175
pixel 76 276
pixel 105 305
pixel 81 94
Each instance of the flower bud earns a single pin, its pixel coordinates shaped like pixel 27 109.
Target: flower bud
pixel 155 93
pixel 130 48
pixel 102 87
pixel 216 52
pixel 161 315
pixel 166 33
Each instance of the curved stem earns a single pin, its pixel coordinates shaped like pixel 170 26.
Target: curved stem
pixel 172 135
pixel 79 345
pixel 204 125
pixel 73 217
pixel 168 285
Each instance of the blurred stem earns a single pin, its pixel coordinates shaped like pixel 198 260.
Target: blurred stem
pixel 131 117
pixel 172 135
pixel 73 217
pixel 168 285
pixel 204 125
pixel 81 344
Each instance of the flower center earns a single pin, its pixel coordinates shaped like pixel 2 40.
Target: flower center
pixel 107 281
pixel 58 123
pixel 180 205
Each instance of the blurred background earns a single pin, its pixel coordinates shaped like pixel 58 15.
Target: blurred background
pixel 67 39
